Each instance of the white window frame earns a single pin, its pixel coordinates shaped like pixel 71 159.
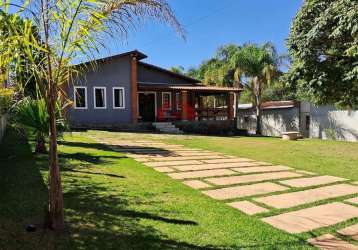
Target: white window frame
pixel 170 100
pixel 105 97
pixel 177 99
pixel 74 96
pixel 124 98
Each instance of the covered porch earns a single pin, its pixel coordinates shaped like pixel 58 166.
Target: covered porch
pixel 157 103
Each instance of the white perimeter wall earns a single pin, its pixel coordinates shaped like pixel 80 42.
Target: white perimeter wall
pixel 274 121
pixel 327 121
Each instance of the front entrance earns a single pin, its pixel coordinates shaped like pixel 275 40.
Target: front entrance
pixel 146 104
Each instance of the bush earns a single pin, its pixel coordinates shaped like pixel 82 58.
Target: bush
pixel 32 115
pixel 6 99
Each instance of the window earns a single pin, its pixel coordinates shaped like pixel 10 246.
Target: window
pixel 178 101
pixel 99 97
pixel 166 100
pixel 118 98
pixel 80 97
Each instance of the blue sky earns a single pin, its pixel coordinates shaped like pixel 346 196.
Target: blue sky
pixel 210 24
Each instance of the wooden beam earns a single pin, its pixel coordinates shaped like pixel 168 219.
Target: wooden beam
pixel 184 105
pixel 134 89
pixel 230 106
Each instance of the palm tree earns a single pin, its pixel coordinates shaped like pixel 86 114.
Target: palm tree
pixel 70 29
pixel 32 115
pixel 257 65
pixel 178 69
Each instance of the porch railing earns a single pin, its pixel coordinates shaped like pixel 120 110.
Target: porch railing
pixel 211 113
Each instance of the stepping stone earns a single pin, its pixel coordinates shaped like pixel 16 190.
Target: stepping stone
pixel 201 174
pixel 252 178
pixel 171 163
pixel 196 184
pixel 262 169
pixel 308 196
pixel 184 158
pixel 215 166
pixel 312 218
pixel 305 172
pixel 194 153
pixel 262 163
pixel 312 181
pixel 164 169
pixel 229 160
pixel 351 231
pixel 140 151
pixel 243 191
pixel 353 200
pixel 248 207
pixel 328 241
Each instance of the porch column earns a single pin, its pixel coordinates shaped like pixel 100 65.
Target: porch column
pixel 230 105
pixel 184 105
pixel 134 89
pixel 201 106
pixel 174 101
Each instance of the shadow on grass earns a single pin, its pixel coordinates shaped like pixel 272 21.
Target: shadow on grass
pixel 89 158
pixel 23 195
pixel 121 149
pixel 96 173
pixel 98 214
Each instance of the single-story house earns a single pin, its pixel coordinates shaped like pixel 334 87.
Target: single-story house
pixel 122 91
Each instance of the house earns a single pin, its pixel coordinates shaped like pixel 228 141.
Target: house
pixel 122 91
pixel 324 121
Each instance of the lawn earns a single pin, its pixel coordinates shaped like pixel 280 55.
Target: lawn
pixel 113 202
pixel 336 158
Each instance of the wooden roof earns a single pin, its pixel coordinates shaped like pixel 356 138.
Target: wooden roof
pixel 193 88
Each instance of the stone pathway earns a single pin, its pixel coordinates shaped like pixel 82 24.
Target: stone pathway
pixel 307 219
pixel 244 178
pixel 351 231
pixel 328 242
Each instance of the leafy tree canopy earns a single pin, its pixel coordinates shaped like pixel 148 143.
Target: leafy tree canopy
pixel 323 43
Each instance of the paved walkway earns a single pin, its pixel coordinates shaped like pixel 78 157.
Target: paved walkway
pixel 258 188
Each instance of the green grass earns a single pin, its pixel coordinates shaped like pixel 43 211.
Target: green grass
pixel 113 202
pixel 336 158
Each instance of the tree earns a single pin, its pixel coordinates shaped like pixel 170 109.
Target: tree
pixel 217 70
pixel 323 43
pixel 18 72
pixel 70 29
pixel 257 65
pixel 177 69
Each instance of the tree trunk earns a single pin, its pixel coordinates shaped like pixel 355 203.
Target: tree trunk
pixel 56 214
pixel 40 144
pixel 258 116
pixel 257 89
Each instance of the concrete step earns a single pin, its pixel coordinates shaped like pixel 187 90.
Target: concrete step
pixel 167 127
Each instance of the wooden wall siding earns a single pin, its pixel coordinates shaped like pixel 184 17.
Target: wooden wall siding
pixel 134 89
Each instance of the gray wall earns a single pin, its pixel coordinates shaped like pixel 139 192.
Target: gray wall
pixel 329 123
pixel 115 73
pixel 151 75
pixel 274 121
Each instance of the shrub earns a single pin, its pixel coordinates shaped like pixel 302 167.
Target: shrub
pixel 33 116
pixel 330 134
pixel 6 99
